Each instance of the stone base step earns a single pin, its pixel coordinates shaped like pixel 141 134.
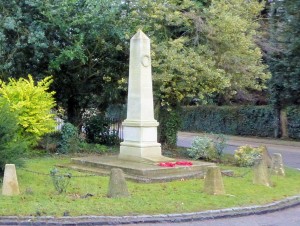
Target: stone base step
pixel 145 172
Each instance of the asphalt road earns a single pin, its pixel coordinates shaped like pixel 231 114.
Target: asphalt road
pixel 291 158
pixel 288 217
pixel 290 153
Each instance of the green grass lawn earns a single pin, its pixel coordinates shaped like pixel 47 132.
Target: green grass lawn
pixel 39 197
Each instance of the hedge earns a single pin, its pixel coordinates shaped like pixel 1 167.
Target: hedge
pixel 232 120
pixel 293 117
pixel 236 120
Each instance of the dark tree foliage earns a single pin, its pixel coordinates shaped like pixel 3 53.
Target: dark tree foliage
pixel 23 43
pixel 284 60
pixel 199 48
pixel 79 42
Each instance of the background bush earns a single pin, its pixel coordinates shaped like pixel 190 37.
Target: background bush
pixel 70 141
pixel 99 129
pixel 49 141
pixel 12 146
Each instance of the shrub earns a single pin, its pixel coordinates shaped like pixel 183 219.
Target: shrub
pixel 219 141
pixel 208 148
pixel 92 148
pixel 247 155
pixel 12 145
pixel 70 141
pixel 202 148
pixel 98 130
pixel 32 104
pixel 50 141
pixel 60 181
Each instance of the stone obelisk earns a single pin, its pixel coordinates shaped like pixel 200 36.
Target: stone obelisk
pixel 140 127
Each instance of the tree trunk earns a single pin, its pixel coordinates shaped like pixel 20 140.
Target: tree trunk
pixel 277 122
pixel 74 112
pixel 284 124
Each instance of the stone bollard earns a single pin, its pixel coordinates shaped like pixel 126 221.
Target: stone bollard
pixel 277 165
pixel 213 182
pixel 266 156
pixel 10 185
pixel 117 184
pixel 261 173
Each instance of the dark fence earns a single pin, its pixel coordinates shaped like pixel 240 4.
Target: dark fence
pixel 115 127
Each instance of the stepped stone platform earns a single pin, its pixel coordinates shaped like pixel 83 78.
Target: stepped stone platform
pixel 144 171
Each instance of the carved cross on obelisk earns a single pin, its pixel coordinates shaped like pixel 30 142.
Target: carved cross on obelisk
pixel 140 127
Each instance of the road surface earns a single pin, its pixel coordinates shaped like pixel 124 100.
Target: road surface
pixel 290 151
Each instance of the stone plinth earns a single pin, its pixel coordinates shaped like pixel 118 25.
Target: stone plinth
pixel 10 182
pixel 140 127
pixel 144 172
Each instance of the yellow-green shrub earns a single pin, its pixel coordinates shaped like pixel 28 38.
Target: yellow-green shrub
pixel 247 155
pixel 32 103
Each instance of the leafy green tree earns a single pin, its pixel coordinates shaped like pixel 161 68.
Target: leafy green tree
pixel 23 43
pixel 231 29
pixel 200 48
pixel 88 45
pixel 79 42
pixel 180 69
pixel 284 60
pixel 32 103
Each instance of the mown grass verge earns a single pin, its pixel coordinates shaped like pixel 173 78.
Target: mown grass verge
pixel 39 197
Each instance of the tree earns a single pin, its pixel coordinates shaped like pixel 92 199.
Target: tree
pixel 23 43
pixel 181 69
pixel 231 29
pixel 32 104
pixel 284 61
pixel 78 42
pixel 88 46
pixel 200 50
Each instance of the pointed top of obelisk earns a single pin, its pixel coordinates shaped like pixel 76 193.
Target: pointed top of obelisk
pixel 140 35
